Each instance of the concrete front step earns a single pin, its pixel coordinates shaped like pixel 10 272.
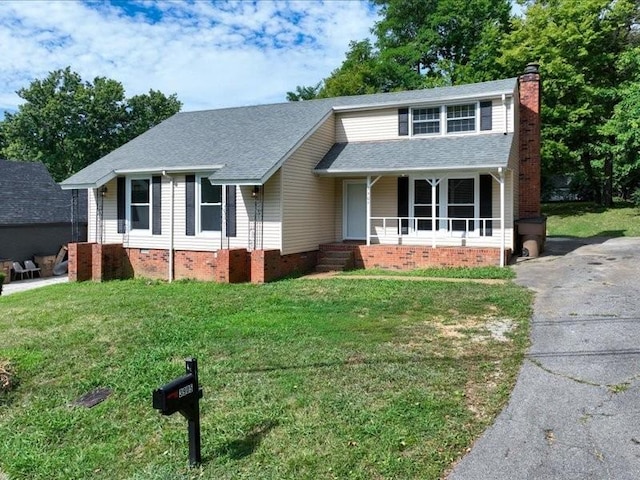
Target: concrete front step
pixel 335 260
pixel 330 268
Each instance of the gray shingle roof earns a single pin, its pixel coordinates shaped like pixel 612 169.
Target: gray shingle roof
pixel 247 144
pixel 419 154
pixel 28 195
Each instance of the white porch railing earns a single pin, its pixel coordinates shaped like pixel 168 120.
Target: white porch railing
pixel 394 228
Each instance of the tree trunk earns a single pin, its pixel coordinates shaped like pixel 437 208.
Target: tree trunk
pixel 607 193
pixel 591 179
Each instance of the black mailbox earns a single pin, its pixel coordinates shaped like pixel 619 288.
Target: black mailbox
pixel 176 395
pixel 183 395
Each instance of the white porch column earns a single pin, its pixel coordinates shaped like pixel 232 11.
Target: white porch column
pixel 500 178
pixel 368 210
pixel 370 184
pixel 434 201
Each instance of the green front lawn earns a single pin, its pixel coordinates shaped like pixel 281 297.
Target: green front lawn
pixel 476 273
pixel 586 219
pixel 302 378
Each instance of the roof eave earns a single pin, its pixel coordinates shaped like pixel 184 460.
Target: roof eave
pixel 66 185
pixel 408 103
pixel 400 171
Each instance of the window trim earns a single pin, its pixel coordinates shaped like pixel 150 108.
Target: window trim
pixel 443 122
pixel 129 204
pixel 461 104
pixel 432 121
pixel 443 202
pixel 198 207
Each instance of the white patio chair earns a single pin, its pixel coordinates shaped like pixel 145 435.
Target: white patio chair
pixel 30 267
pixel 19 270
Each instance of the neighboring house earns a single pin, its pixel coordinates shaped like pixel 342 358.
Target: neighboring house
pixel 402 180
pixel 35 213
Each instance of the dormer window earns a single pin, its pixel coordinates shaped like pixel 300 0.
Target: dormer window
pixel 426 120
pixel 461 118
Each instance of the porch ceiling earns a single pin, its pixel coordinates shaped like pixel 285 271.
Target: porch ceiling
pixel 468 152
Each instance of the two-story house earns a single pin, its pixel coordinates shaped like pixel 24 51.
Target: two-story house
pixel 398 180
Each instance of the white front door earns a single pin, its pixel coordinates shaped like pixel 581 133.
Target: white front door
pixel 355 210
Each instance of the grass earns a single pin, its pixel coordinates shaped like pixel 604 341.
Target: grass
pixel 301 378
pixel 586 220
pixel 474 273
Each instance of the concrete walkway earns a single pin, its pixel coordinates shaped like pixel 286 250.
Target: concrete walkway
pixel 22 285
pixel 575 410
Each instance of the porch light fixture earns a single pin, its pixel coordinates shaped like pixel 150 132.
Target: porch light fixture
pixel 255 191
pixel 103 190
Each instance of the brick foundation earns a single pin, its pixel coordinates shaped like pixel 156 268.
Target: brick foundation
pixel 80 261
pixel 268 265
pixel 99 262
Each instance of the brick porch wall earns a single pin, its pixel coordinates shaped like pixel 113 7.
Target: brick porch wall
pixel 398 257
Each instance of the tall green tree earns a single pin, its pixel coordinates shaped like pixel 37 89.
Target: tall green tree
pixel 68 123
pixel 447 41
pixel 578 44
pixel 422 43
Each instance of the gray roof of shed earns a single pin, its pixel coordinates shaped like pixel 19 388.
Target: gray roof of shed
pixel 468 152
pixel 248 144
pixel 29 196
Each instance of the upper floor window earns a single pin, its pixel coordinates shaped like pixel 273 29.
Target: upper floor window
pixel 426 120
pixel 461 118
pixel 140 203
pixel 210 206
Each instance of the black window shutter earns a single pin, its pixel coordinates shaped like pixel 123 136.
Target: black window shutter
pixel 156 199
pixel 403 121
pixel 121 203
pixel 191 204
pixel 486 201
pixel 485 116
pixel 403 203
pixel 231 210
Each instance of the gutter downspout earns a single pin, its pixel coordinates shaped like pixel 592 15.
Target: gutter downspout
pixel 502 217
pixel 171 247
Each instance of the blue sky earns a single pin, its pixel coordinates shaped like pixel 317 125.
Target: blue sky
pixel 212 54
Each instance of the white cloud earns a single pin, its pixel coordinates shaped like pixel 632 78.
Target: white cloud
pixel 211 54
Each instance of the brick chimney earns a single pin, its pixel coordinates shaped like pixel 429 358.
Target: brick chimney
pixel 529 148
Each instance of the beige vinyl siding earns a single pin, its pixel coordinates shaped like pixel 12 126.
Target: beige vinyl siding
pixel 383 124
pixel 508 210
pixel 271 225
pixel 308 207
pixel 339 199
pixel 367 125
pixel 201 242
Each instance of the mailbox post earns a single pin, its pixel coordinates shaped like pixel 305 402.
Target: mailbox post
pixel 183 395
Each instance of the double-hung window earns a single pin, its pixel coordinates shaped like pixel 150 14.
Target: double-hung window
pixel 210 206
pixel 426 120
pixel 461 118
pixel 140 203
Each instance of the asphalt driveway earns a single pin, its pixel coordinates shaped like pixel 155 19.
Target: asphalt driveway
pixel 575 410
